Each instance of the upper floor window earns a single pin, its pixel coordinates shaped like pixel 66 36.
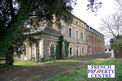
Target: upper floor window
pixel 89 39
pixel 82 25
pixel 76 22
pixel 82 36
pixel 76 34
pixel 69 32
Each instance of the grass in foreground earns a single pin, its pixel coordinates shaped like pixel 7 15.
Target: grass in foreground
pixel 80 73
pixel 30 63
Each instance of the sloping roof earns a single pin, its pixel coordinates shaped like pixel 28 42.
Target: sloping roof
pixel 45 30
pixel 51 31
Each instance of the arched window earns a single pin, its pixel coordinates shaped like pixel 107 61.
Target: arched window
pixel 52 50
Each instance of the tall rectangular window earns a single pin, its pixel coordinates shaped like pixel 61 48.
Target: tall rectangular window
pixel 76 22
pixel 69 32
pixel 82 36
pixel 82 49
pixel 70 49
pixel 82 25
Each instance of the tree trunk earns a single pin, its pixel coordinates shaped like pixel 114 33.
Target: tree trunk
pixel 9 56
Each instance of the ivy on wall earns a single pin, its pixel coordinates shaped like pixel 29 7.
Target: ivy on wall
pixel 66 49
pixel 58 49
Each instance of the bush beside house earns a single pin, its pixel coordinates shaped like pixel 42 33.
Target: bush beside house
pixel 117 47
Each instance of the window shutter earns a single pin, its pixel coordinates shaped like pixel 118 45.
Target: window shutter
pixel 72 33
pixel 84 37
pixel 81 35
pixel 68 32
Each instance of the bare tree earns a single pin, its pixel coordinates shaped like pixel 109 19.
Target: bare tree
pixel 112 25
pixel 119 4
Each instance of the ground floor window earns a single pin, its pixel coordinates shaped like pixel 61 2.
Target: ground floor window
pixel 82 49
pixel 52 50
pixel 77 51
pixel 70 49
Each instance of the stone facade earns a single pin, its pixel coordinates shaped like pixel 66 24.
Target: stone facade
pixel 83 40
pixel 77 43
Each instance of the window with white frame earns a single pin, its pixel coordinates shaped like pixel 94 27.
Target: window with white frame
pixel 70 49
pixel 76 34
pixel 82 49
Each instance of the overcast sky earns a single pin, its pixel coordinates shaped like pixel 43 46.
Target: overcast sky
pixel 81 12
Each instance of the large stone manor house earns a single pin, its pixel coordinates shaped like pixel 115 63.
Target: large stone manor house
pixel 73 40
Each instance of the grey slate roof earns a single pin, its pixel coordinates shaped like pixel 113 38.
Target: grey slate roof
pixel 50 31
pixel 45 30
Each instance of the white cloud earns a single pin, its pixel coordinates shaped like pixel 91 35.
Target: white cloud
pixel 89 17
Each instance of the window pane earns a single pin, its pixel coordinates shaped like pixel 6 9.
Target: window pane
pixel 69 32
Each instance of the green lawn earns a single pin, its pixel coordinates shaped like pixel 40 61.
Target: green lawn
pixel 30 63
pixel 80 73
